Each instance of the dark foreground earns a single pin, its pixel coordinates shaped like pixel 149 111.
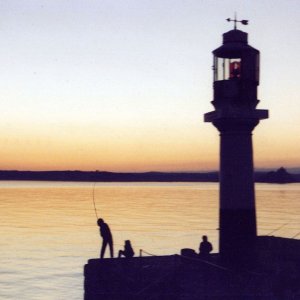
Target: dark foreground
pixel 274 275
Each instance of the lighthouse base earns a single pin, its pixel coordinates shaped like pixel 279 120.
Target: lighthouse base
pixel 238 235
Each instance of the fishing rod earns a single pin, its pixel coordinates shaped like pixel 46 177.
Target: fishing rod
pixel 94 200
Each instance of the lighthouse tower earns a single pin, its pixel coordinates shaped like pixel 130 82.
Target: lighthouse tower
pixel 236 78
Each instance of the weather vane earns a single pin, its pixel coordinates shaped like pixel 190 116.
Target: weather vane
pixel 244 22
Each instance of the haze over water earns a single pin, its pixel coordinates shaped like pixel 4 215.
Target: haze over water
pixel 49 228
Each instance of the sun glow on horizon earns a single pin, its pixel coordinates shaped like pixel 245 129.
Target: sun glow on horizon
pixel 125 88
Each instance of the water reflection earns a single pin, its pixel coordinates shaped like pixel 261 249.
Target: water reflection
pixel 49 229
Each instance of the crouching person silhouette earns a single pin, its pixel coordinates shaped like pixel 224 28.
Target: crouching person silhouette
pixel 205 247
pixel 106 238
pixel 128 251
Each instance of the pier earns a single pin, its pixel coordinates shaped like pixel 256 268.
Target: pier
pixel 275 274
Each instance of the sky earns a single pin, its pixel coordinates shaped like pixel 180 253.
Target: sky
pixel 123 85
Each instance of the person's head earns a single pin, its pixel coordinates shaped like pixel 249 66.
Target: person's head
pixel 100 222
pixel 204 238
pixel 127 242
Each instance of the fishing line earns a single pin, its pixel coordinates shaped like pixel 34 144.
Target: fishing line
pixel 276 229
pixel 94 200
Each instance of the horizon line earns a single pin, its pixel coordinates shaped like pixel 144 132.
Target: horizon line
pixel 151 171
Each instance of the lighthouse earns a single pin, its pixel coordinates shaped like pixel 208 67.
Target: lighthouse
pixel 235 83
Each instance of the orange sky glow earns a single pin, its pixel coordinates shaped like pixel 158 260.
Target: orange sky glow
pixel 125 89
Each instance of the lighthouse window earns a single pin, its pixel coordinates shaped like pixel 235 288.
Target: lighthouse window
pixel 234 69
pixel 227 68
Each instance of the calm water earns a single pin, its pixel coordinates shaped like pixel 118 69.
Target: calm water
pixel 49 232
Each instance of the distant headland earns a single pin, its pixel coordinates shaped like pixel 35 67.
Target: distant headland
pixel 279 176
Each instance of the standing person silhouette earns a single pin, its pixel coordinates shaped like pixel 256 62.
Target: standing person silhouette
pixel 107 238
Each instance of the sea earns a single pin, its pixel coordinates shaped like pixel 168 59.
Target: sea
pixel 49 231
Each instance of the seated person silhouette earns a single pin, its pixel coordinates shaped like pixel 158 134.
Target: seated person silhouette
pixel 128 251
pixel 205 247
pixel 107 238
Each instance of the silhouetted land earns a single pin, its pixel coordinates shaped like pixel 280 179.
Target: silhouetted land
pixel 279 176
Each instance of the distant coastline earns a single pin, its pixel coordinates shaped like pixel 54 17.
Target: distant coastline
pixel 278 176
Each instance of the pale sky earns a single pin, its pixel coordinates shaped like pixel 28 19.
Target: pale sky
pixel 122 85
